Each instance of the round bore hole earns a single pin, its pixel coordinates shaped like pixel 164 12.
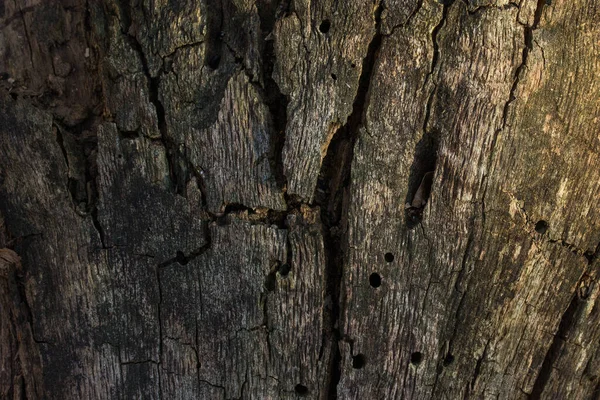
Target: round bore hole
pixel 416 358
pixel 284 270
pixel 301 390
pixel 325 25
pixel 375 280
pixel 358 361
pixel 541 226
pixel 352 65
pixel 449 359
pixel 334 77
pixel 389 257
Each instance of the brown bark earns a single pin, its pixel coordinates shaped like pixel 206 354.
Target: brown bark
pixel 208 199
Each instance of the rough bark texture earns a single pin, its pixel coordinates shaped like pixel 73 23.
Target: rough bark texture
pixel 216 199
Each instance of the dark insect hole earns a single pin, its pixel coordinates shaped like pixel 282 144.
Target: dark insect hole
pixel 375 280
pixel 541 227
pixel 325 25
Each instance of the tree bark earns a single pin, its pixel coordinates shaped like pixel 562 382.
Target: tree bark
pixel 233 199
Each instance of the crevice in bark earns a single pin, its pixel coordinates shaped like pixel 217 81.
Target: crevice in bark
pixel 99 228
pixel 528 40
pixel 61 144
pixel 528 46
pixel 177 177
pixel 214 37
pixel 425 158
pixel 436 52
pixel 566 323
pixel 85 141
pixel 177 172
pixel 182 259
pixel 276 101
pixel 445 357
pixel 477 371
pixel 330 194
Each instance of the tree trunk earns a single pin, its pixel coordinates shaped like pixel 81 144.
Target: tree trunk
pixel 232 199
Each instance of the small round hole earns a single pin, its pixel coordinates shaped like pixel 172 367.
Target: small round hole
pixel 358 361
pixel 416 358
pixel 301 390
pixel 325 25
pixel 334 77
pixel 541 226
pixel 449 359
pixel 284 269
pixel 352 65
pixel 375 280
pixel 181 258
pixel 389 257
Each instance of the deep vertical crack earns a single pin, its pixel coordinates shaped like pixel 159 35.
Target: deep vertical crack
pixel 177 172
pixel 275 100
pixel 527 48
pixel 332 189
pixel 425 156
pixel 566 323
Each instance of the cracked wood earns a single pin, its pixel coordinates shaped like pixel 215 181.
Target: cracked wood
pixel 207 199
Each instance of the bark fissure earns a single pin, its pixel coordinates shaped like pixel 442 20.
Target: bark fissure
pixel 426 149
pixel 477 371
pixel 528 46
pixel 566 323
pixel 177 177
pixel 98 227
pixel 332 188
pixel 277 103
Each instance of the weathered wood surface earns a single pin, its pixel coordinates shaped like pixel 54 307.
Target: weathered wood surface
pixel 207 199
